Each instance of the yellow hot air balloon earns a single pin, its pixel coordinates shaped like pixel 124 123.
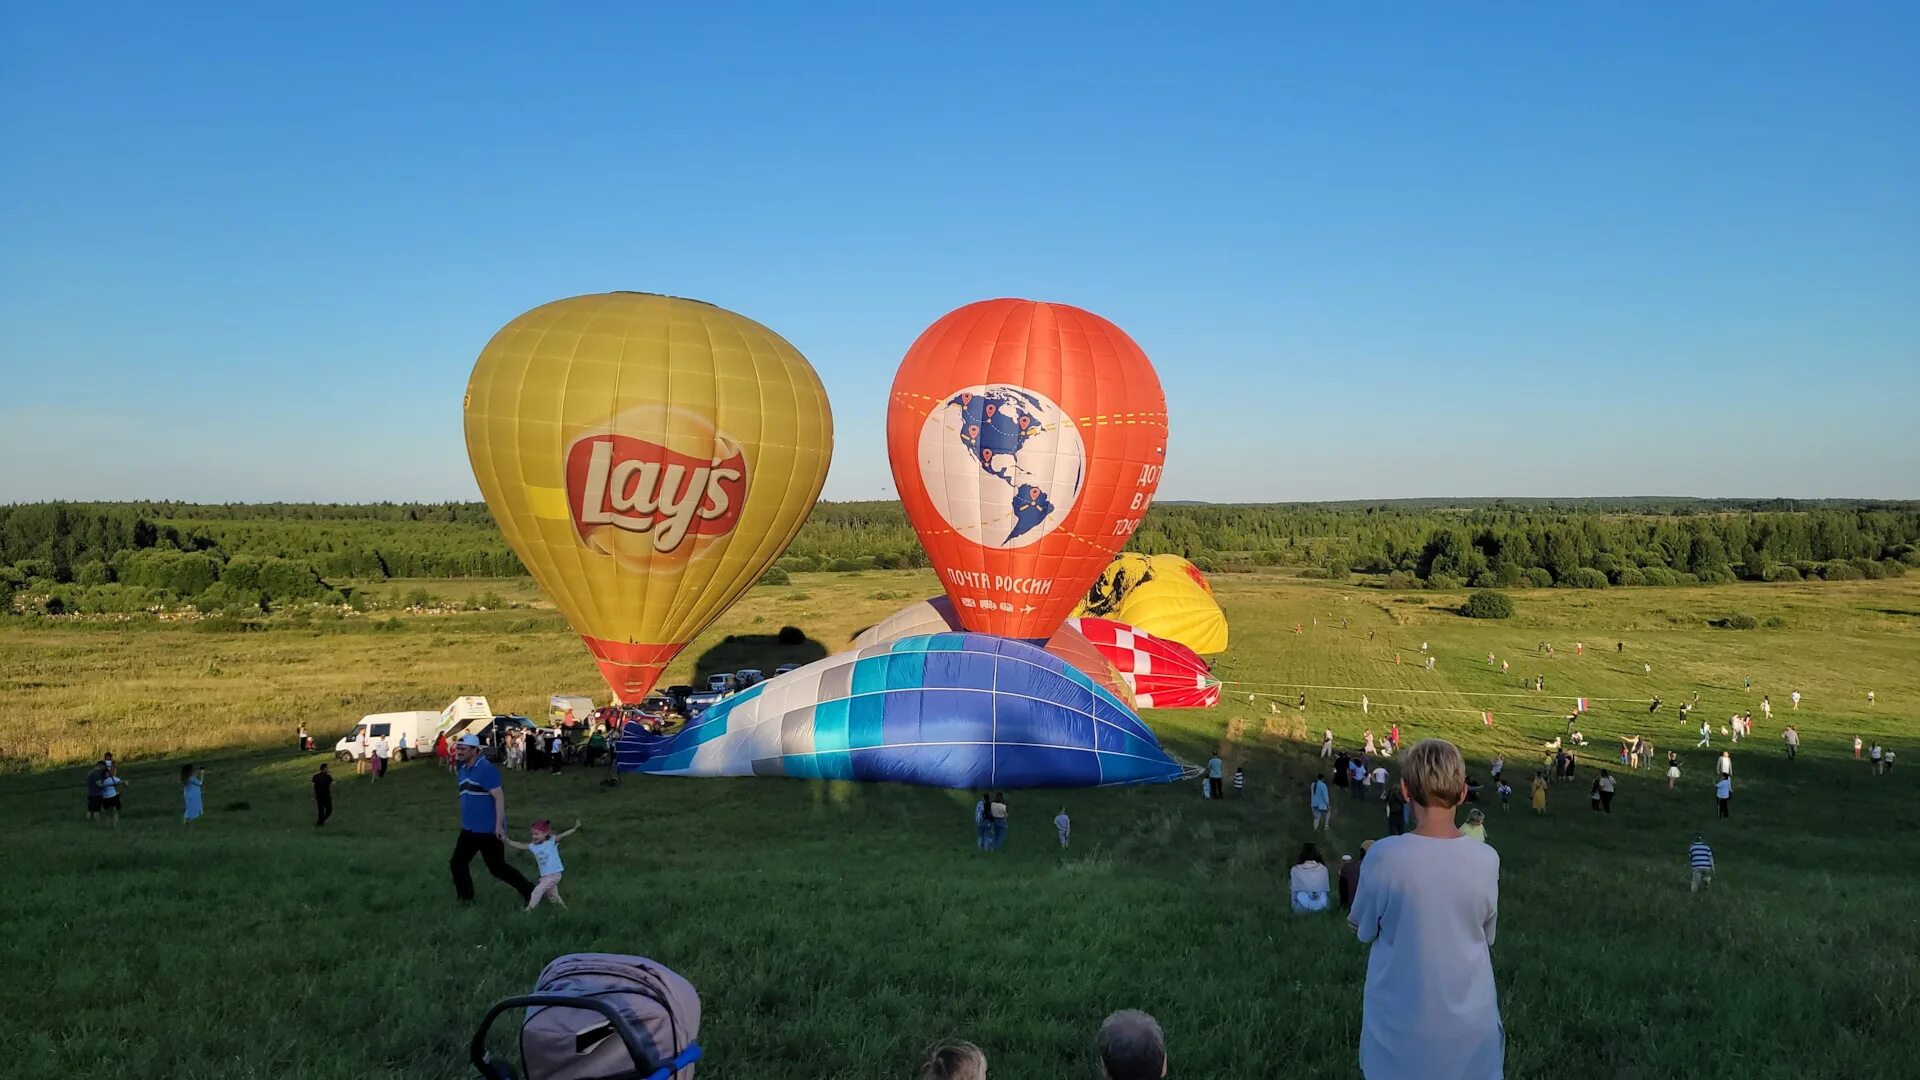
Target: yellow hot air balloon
pixel 1165 595
pixel 647 458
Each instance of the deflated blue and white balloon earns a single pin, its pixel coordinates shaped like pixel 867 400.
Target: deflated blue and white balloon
pixel 942 710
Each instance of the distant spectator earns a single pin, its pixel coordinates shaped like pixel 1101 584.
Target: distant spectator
pixel 1239 781
pixel 1476 826
pixel 1326 743
pixel 1132 1047
pixel 1063 825
pixel 110 785
pixel 1856 748
pixel 955 1061
pixel 1506 795
pixel 982 823
pixel 1539 793
pixel 1700 858
pixel 1723 793
pixel 1606 791
pixel 192 779
pixel 1396 811
pixel 1307 881
pixel 1320 801
pixel 1214 775
pixel 1876 755
pixel 99 772
pixel 1350 875
pixel 1724 767
pixel 1428 904
pixel 1379 780
pixel 997 813
pixel 322 795
pixel 301 740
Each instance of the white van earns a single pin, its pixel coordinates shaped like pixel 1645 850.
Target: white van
pixel 418 728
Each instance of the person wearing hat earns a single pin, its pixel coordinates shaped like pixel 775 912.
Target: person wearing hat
pixel 483 822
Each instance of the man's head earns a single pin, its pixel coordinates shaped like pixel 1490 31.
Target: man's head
pixel 466 749
pixel 1132 1047
pixel 1433 774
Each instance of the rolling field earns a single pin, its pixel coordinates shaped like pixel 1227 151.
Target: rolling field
pixel 834 930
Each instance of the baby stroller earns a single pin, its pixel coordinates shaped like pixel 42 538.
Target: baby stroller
pixel 599 1016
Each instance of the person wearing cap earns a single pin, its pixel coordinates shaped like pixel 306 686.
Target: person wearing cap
pixel 483 822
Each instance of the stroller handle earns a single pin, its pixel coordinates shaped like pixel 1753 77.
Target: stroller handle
pixel 485 1066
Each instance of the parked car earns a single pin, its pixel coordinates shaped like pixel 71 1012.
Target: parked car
pixel 677 697
pixel 784 668
pixel 494 735
pixel 723 683
pixel 748 676
pixel 701 702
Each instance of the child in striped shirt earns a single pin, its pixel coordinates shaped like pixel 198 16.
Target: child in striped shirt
pixel 1700 857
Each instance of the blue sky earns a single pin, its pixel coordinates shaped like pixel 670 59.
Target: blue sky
pixel 1375 250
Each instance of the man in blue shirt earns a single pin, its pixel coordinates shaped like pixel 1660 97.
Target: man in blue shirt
pixel 483 822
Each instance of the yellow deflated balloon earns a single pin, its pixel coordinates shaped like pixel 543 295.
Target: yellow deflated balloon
pixel 647 458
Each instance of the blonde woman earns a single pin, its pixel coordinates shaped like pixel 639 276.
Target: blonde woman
pixel 1476 826
pixel 955 1061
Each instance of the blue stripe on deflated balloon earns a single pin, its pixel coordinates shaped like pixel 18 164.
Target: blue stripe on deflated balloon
pixel 866 720
pixel 830 726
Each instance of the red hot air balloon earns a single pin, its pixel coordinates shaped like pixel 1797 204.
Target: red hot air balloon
pixel 1027 440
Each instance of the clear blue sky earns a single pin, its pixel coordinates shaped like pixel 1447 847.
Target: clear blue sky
pixel 1375 250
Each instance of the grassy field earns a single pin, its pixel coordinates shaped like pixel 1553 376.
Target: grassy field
pixel 835 929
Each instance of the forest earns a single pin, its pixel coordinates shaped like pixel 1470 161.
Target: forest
pixel 58 558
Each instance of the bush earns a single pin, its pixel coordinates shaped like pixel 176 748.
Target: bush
pixel 792 635
pixel 491 601
pixel 775 576
pixel 847 566
pixel 1487 604
pixel 1398 579
pixel 1338 569
pixel 1629 576
pixel 1839 570
pixel 1775 622
pixel 1537 577
pixel 1585 577
pixel 1737 621
pixel 1445 581
pixel 1716 575
pixel 1659 575
pixel 1869 569
pixel 1911 556
pixel 1782 572
pixel 1893 568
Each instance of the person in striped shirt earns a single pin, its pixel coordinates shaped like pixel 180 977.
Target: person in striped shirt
pixel 1700 857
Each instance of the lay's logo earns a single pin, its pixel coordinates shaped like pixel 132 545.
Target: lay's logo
pixel 637 486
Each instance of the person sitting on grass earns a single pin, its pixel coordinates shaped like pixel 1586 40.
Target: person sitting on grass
pixel 1428 904
pixel 955 1061
pixel 1132 1047
pixel 1307 881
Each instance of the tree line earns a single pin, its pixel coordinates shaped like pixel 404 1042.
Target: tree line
pixel 135 556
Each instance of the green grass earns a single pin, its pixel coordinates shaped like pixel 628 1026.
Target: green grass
pixel 835 929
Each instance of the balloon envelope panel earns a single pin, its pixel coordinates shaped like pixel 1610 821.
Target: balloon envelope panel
pixel 936 616
pixel 647 457
pixel 1026 441
pixel 950 710
pixel 1165 595
pixel 1164 674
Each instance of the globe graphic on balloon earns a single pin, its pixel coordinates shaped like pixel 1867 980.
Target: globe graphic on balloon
pixel 1002 464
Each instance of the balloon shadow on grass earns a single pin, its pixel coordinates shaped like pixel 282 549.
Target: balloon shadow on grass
pixel 765 652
